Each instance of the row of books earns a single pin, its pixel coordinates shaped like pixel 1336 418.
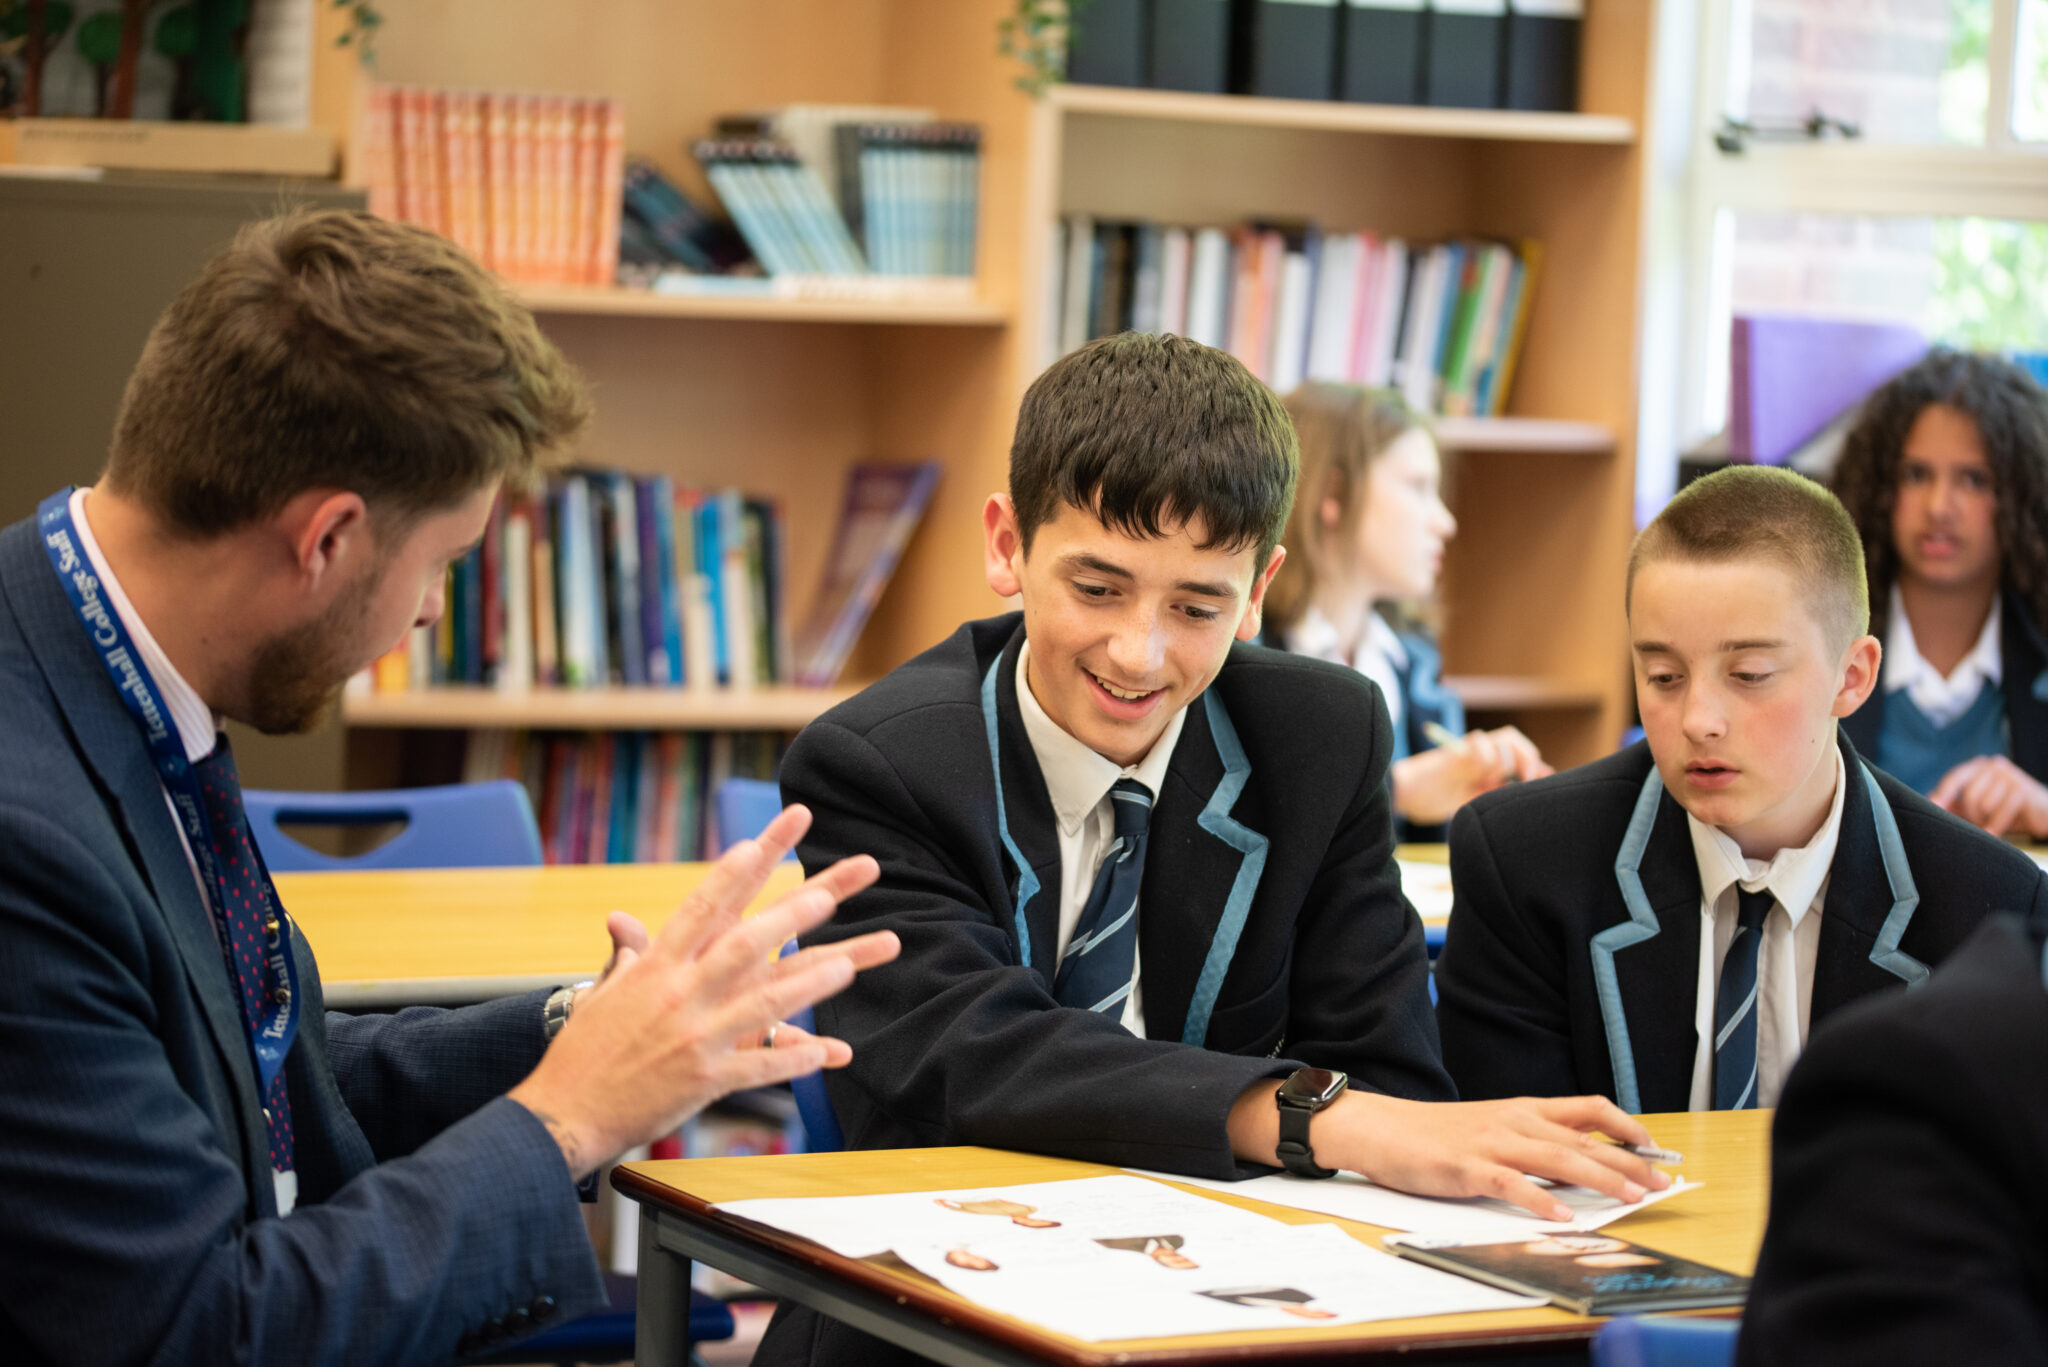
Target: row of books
pixel 832 191
pixel 529 184
pixel 611 578
pixel 1479 54
pixel 1444 323
pixel 614 578
pixel 623 797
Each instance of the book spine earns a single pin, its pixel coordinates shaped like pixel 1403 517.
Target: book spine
pixel 380 149
pixel 611 165
pixel 496 116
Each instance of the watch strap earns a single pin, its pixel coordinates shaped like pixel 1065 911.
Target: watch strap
pixel 1295 1153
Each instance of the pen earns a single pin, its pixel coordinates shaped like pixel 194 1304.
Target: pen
pixel 1653 1153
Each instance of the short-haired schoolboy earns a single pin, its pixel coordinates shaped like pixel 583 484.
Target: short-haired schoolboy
pixel 1665 925
pixel 1142 870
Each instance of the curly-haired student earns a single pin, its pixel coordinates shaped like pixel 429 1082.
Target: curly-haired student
pixel 1946 476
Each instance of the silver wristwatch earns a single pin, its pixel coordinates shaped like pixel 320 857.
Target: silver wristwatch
pixel 554 1013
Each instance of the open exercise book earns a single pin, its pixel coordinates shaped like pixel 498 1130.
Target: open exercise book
pixel 1122 1257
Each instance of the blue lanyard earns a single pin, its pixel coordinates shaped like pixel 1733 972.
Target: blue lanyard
pixel 270 1036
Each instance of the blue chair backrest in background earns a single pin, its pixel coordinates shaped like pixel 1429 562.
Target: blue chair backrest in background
pixel 1666 1341
pixel 460 825
pixel 744 807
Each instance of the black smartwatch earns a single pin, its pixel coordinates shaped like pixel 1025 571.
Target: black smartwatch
pixel 1306 1091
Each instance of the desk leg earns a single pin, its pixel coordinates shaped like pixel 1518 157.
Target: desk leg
pixel 661 1309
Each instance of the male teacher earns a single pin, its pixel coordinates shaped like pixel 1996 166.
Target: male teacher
pixel 199 1164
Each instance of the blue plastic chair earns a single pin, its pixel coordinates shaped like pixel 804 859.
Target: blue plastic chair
pixel 607 1335
pixel 1666 1341
pixel 460 825
pixel 744 807
pixel 821 1125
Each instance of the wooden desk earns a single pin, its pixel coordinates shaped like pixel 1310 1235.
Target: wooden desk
pixel 1722 1223
pixel 461 935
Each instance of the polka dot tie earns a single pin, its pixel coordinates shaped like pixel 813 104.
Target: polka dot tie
pixel 249 920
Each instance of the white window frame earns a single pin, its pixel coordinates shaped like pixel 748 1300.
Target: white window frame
pixel 1694 189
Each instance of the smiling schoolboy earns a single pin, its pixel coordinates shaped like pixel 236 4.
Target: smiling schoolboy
pixel 1142 869
pixel 1664 926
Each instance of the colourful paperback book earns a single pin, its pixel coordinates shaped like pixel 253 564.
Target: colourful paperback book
pixel 1592 1274
pixel 883 505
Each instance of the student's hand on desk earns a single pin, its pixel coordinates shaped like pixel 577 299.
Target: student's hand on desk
pixel 681 1020
pixel 1429 787
pixel 1464 1148
pixel 1996 794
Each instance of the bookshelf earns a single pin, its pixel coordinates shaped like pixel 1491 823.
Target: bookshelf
pixel 1256 112
pixel 783 396
pixel 903 308
pixel 465 707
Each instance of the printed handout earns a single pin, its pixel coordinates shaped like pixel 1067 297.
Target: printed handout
pixel 1121 1257
pixel 1351 1197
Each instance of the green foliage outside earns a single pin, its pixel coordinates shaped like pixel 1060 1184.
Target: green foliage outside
pixel 1990 277
pixel 1990 284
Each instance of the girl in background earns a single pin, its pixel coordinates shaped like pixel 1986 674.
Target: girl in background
pixel 1946 475
pixel 1368 533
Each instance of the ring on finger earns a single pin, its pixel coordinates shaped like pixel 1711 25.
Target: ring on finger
pixel 768 1040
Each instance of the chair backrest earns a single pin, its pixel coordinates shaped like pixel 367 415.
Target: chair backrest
pixel 744 807
pixel 1666 1341
pixel 813 1107
pixel 460 825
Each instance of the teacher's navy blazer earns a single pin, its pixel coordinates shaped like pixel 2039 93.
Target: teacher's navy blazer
pixel 1572 961
pixel 138 1220
pixel 1909 1186
pixel 1272 929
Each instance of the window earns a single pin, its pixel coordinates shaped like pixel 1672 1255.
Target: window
pixel 1934 215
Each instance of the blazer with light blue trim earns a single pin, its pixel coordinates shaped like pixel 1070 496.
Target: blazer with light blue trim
pixel 1424 701
pixel 137 1215
pixel 1572 960
pixel 1272 929
pixel 2023 679
pixel 1909 1187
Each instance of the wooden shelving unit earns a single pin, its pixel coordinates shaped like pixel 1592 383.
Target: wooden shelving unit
pixel 906 309
pixel 1495 125
pixel 1515 693
pixel 1532 609
pixel 1531 590
pixel 1524 436
pixel 595 709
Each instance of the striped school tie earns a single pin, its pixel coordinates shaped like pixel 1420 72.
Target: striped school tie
pixel 1100 965
pixel 1735 1006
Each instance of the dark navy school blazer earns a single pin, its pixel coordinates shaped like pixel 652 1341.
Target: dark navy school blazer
pixel 1572 961
pixel 137 1216
pixel 1272 929
pixel 1909 1189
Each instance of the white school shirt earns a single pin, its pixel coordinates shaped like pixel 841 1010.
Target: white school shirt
pixel 1798 879
pixel 1380 655
pixel 1940 699
pixel 196 731
pixel 1078 781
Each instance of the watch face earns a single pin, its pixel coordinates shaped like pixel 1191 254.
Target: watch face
pixel 1312 1088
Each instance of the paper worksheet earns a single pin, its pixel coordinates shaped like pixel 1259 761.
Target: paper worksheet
pixel 1427 887
pixel 1119 1257
pixel 1351 1197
